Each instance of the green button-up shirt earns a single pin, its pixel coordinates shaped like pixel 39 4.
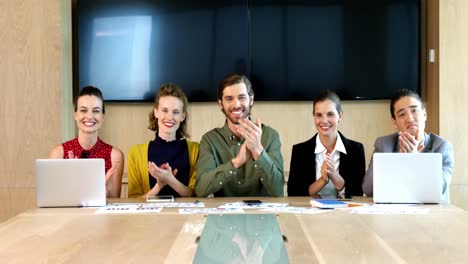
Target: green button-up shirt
pixel 217 175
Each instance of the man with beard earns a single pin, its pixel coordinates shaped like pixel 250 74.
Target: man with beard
pixel 409 117
pixel 242 158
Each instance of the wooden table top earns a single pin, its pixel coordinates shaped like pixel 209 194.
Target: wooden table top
pixel 75 235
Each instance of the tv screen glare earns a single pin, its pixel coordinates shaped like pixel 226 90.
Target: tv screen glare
pixel 289 49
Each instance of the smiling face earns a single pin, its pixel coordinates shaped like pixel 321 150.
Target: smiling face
pixel 326 118
pixel 169 114
pixel 235 103
pixel 409 116
pixel 89 115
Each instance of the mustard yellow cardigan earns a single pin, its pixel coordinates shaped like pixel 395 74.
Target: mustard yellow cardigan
pixel 137 168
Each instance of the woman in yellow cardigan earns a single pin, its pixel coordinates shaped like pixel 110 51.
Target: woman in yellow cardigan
pixel 167 164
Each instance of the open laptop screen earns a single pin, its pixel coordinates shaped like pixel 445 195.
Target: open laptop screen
pixel 407 177
pixel 70 182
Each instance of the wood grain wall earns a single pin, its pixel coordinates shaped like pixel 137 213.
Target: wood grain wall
pixel 454 90
pixel 30 105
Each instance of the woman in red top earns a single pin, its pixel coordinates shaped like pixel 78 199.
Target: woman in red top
pixel 89 115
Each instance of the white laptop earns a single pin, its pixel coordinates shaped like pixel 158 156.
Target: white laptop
pixel 70 182
pixel 407 177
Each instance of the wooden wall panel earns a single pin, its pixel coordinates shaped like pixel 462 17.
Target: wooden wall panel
pixel 454 89
pixel 15 201
pixel 432 68
pixel 30 105
pixel 68 122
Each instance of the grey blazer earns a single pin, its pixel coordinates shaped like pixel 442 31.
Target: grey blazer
pixel 432 143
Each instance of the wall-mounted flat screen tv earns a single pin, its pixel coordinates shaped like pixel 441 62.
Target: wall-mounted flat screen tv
pixel 289 49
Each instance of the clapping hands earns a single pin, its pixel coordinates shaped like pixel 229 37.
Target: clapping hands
pixel 163 174
pixel 252 132
pixel 113 170
pixel 252 146
pixel 409 143
pixel 328 168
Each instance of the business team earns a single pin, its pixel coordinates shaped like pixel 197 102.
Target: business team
pixel 243 158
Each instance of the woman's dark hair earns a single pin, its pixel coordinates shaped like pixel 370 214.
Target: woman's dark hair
pixel 329 95
pixel 170 89
pixel 90 90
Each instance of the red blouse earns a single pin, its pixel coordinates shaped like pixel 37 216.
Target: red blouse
pixel 100 150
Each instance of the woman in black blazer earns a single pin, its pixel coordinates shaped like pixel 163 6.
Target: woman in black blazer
pixel 325 150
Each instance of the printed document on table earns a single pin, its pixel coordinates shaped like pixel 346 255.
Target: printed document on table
pixel 390 209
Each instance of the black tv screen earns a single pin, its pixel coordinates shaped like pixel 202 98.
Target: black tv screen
pixel 289 49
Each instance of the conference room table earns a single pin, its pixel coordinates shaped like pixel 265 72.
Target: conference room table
pixel 80 235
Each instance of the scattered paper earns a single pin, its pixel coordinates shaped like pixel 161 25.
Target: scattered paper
pixel 390 209
pixel 128 209
pixel 211 211
pixel 179 205
pixel 138 208
pixel 295 210
pixel 253 206
pixel 163 205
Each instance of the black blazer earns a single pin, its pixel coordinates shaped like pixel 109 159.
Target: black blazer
pixel 302 169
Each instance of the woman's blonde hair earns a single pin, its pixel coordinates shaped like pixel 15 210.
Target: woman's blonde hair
pixel 170 89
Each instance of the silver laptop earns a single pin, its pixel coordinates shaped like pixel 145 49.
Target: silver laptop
pixel 70 182
pixel 407 177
